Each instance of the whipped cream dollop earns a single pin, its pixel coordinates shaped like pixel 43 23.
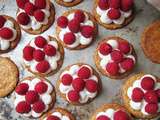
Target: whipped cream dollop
pixel 59 115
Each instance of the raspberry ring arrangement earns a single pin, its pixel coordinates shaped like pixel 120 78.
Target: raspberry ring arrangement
pixel 114 14
pixel 111 112
pixel 115 57
pixel 34 96
pixel 58 114
pixel 35 16
pixel 68 3
pixel 43 55
pixel 76 29
pixel 141 95
pixel 10 33
pixel 79 84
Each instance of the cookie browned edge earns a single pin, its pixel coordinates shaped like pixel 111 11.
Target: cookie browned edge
pixel 61 110
pixel 43 27
pixel 80 46
pixel 114 106
pixel 16 71
pixel 15 42
pixel 53 92
pixel 112 26
pixel 126 99
pixel 143 43
pixel 60 62
pixel 90 99
pixel 68 4
pixel 97 59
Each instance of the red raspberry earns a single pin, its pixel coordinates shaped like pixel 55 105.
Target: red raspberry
pixel 73 96
pixel 2 21
pixel 114 3
pixel 39 106
pixel 121 115
pixel 41 87
pixel 31 97
pixel 22 88
pixel 40 41
pixel 78 84
pixel 43 66
pixel 67 79
pixel 28 53
pixel 87 31
pixel 23 18
pixel 124 47
pixel 21 3
pixel 52 117
pixel 151 108
pixel 147 83
pixel 62 22
pixel 79 15
pixel 151 97
pixel 23 107
pixel 91 86
pixel 127 4
pixel 84 72
pixel 49 50
pixel 114 13
pixel 6 33
pixel 158 92
pixel 105 48
pixel 29 8
pixel 103 4
pixel 41 4
pixel 69 38
pixel 137 95
pixel 127 64
pixel 39 15
pixel 103 117
pixel 38 55
pixel 112 68
pixel 74 26
pixel 117 56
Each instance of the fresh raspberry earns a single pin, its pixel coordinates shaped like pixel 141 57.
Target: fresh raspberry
pixel 21 3
pixel 117 56
pixel 105 48
pixel 41 87
pixel 127 64
pixel 52 117
pixel 31 97
pixel 2 21
pixel 6 33
pixel 49 50
pixel 151 97
pixel 114 13
pixel 114 3
pixel 69 38
pixel 124 47
pixel 43 66
pixel 23 107
pixel 67 79
pixel 147 83
pixel 38 55
pixel 28 53
pixel 121 115
pixel 29 8
pixel 151 108
pixel 158 92
pixel 40 41
pixel 41 4
pixel 84 72
pixel 62 22
pixel 78 84
pixel 22 88
pixel 39 106
pixel 103 4
pixel 127 4
pixel 23 18
pixel 87 31
pixel 74 26
pixel 112 68
pixel 79 15
pixel 137 95
pixel 73 96
pixel 91 86
pixel 103 117
pixel 39 15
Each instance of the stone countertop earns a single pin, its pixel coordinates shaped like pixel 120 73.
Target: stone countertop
pixel 145 14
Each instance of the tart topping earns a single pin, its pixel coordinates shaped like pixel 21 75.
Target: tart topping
pixel 105 49
pixel 52 117
pixel 43 66
pixel 62 22
pixel 114 13
pixel 31 97
pixel 22 88
pixel 137 95
pixel 121 115
pixel 6 33
pixel 151 97
pixel 23 107
pixel 38 55
pixel 2 21
pixel 115 3
pixel 73 96
pixel 127 64
pixel 28 53
pixel 38 106
pixel 126 4
pixel 151 108
pixel 84 72
pixel 67 79
pixel 147 83
pixel 87 31
pixel 41 87
pixel 103 117
pixel 74 25
pixel 91 86
pixel 69 38
pixel 117 56
pixel 23 18
pixel 40 41
pixel 41 4
pixel 21 3
pixel 103 4
pixel 112 68
pixel 78 84
pixel 29 8
pixel 79 15
pixel 39 15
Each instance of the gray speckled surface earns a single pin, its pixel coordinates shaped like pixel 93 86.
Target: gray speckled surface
pixel 145 14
